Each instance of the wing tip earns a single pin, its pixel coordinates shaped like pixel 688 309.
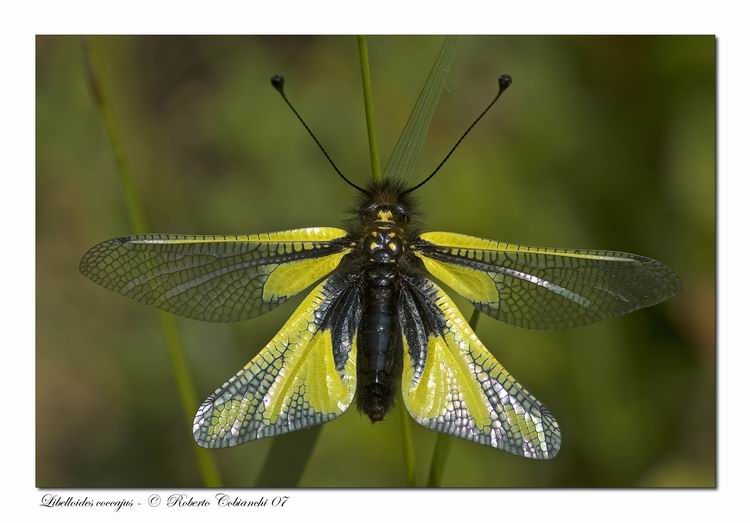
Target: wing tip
pixel 85 266
pixel 200 424
pixel 552 434
pixel 676 286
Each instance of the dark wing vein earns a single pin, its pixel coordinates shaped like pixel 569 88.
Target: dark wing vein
pixel 214 278
pixel 304 376
pixel 543 288
pixel 452 383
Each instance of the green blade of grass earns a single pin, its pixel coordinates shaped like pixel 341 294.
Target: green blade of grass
pixel 439 459
pixel 293 450
pixel 207 467
pixel 364 66
pixel 408 444
pixel 405 154
pixel 443 442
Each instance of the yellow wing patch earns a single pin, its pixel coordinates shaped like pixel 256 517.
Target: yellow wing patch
pixel 291 384
pixel 290 278
pixel 474 285
pixel 311 369
pixel 446 380
pixel 460 389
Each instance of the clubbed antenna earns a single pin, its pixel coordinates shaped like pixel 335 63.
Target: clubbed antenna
pixel 504 82
pixel 278 83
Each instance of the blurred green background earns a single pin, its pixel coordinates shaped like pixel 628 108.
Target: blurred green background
pixel 601 142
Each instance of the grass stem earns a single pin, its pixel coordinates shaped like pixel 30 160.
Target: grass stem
pixel 364 65
pixel 408 443
pixel 206 465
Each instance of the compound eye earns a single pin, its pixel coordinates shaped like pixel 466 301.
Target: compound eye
pixel 401 214
pixel 368 211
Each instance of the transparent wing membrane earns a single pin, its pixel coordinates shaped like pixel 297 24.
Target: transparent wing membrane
pixel 215 278
pixel 452 383
pixel 542 288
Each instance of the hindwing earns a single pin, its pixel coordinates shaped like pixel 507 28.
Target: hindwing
pixel 215 278
pixel 305 376
pixel 542 288
pixel 452 383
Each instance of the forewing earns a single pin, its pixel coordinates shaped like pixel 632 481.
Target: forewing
pixel 452 383
pixel 304 376
pixel 215 278
pixel 543 288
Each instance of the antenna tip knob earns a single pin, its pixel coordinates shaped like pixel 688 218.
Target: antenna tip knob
pixel 278 82
pixel 504 81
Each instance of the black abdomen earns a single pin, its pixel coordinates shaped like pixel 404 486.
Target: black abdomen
pixel 379 347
